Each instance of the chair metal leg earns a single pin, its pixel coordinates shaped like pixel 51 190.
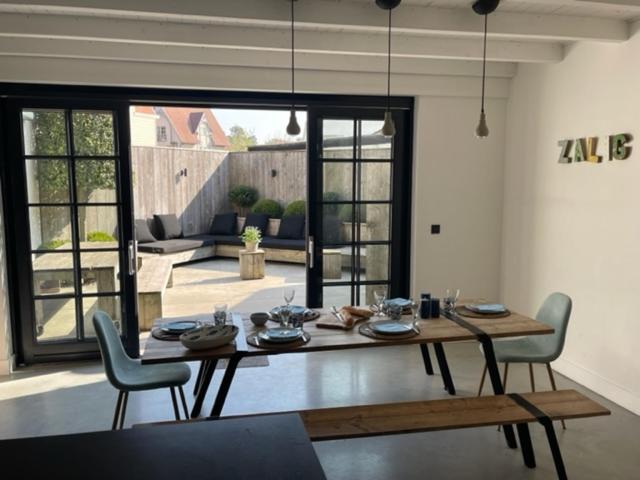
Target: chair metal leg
pixel 184 403
pixel 124 409
pixel 504 383
pixel 484 375
pixel 553 387
pixel 176 411
pixel 116 414
pixel 426 358
pixel 531 377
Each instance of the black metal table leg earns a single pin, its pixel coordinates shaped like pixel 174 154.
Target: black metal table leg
pixel 196 386
pixel 426 358
pixel 444 368
pixel 526 446
pixel 496 383
pixel 225 385
pixel 555 448
pixel 209 366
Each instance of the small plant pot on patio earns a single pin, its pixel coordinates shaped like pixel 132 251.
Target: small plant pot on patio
pixel 251 237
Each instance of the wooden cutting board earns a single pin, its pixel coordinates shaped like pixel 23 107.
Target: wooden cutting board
pixel 327 320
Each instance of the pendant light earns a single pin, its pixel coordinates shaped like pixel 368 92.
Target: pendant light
pixel 484 7
pixel 293 128
pixel 388 127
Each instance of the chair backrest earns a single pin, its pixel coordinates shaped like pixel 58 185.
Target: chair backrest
pixel 114 358
pixel 555 312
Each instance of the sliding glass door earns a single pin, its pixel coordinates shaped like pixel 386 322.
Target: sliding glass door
pixel 359 191
pixel 70 187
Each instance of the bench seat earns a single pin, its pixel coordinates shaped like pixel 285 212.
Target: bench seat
pixel 177 244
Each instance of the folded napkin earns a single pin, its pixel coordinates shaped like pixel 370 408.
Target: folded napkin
pixel 486 307
pixel 350 317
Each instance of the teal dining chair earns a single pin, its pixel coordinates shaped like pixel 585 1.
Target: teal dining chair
pixel 540 349
pixel 129 375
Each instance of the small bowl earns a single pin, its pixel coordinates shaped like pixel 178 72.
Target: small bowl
pixel 259 319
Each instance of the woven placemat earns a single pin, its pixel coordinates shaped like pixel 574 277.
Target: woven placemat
pixel 465 312
pixel 366 330
pixel 256 341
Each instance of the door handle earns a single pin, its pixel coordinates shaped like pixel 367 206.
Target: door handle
pixel 133 261
pixel 311 252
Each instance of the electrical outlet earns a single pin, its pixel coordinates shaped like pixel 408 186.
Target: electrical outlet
pixel 435 229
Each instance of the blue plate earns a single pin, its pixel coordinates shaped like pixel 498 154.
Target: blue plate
pixel 390 327
pixel 400 302
pixel 179 326
pixel 487 308
pixel 280 334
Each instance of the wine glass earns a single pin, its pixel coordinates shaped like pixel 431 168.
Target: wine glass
pixel 380 295
pixel 415 309
pixel 289 294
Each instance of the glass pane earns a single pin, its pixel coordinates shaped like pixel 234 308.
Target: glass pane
pixel 99 272
pixel 53 274
pixel 375 222
pixel 374 262
pixel 110 305
pixel 337 139
pixel 334 230
pixel 44 132
pixel 375 181
pixel 50 227
pixel 98 227
pixel 367 296
pixel 93 133
pixel 55 319
pixel 47 181
pixel 336 264
pixel 96 181
pixel 338 296
pixel 337 180
pixel 372 143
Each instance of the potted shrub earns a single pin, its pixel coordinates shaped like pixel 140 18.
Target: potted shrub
pixel 270 207
pixel 297 207
pixel 243 197
pixel 251 238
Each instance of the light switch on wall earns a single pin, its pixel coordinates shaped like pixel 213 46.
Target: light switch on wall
pixel 435 229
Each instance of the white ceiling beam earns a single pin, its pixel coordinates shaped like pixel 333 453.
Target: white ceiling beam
pixel 226 36
pixel 105 72
pixel 185 55
pixel 344 15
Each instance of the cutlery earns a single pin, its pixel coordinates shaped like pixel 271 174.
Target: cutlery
pixel 337 314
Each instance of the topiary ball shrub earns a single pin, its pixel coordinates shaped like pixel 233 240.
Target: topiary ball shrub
pixel 297 207
pixel 331 197
pixel 243 196
pixel 100 237
pixel 345 213
pixel 270 207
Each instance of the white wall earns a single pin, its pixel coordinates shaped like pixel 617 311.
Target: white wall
pixel 458 184
pixel 575 228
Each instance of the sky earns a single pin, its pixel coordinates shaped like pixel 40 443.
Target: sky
pixel 264 124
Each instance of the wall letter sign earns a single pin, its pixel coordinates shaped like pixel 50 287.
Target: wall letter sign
pixel 586 149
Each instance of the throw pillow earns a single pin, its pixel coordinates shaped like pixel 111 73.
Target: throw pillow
pixel 292 227
pixel 143 234
pixel 169 226
pixel 259 220
pixel 224 224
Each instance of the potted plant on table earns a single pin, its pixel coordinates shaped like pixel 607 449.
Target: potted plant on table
pixel 251 237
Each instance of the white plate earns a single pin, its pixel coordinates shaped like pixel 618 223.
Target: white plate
pixel 390 327
pixel 209 336
pixel 280 334
pixel 487 308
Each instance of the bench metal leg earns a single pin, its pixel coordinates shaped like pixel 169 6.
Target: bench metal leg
pixel 125 399
pixel 526 446
pixel 498 389
pixel 209 367
pixel 184 403
pixel 555 449
pixel 176 411
pixel 444 368
pixel 225 385
pixel 116 414
pixel 426 358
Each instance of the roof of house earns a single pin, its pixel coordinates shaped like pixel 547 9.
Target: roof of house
pixel 143 109
pixel 185 121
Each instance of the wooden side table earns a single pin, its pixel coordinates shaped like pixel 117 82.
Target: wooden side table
pixel 251 264
pixel 331 263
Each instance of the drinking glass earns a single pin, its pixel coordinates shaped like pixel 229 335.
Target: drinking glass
pixel 450 299
pixel 380 295
pixel 289 294
pixel 284 315
pixel 220 314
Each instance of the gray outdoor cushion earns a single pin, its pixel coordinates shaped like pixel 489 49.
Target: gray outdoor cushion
pixel 204 239
pixel 169 226
pixel 259 220
pixel 170 246
pixel 283 243
pixel 292 227
pixel 143 234
pixel 224 224
pixel 227 239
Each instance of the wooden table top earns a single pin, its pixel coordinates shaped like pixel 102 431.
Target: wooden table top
pixel 440 330
pixel 268 446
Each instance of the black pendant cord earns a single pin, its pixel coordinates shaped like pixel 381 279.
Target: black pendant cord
pixel 389 66
pixel 293 60
pixel 484 59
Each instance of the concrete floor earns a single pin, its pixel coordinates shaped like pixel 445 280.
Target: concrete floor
pixel 71 398
pixel 58 399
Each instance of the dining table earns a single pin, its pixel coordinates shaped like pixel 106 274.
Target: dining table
pixel 449 327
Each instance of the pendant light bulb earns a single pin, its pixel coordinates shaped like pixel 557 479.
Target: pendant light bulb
pixel 293 128
pixel 388 127
pixel 482 130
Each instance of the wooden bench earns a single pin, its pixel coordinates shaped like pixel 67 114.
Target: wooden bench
pixel 154 276
pixel 448 414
